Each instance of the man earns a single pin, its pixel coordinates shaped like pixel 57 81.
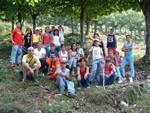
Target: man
pixel 30 64
pixel 52 32
pixel 62 81
pixel 61 33
pixel 54 64
pixel 16 39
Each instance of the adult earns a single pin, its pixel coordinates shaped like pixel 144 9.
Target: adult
pixel 61 33
pixel 16 39
pixel 63 54
pixel 31 65
pixel 52 32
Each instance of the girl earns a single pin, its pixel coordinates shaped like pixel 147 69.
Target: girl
pixel 46 39
pixel 35 38
pixel 128 57
pixel 97 53
pixel 27 40
pixel 101 44
pixel 115 62
pixel 73 57
pixel 63 54
pixel 57 40
pixel 83 75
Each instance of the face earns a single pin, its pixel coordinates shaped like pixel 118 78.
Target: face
pixel 18 24
pixel 74 47
pixel 37 31
pixel 128 38
pixel 29 30
pixel 53 28
pixel 96 43
pixel 116 55
pixel 31 52
pixel 52 48
pixel 107 63
pixel 110 54
pixel 63 65
pixel 96 37
pixel 78 46
pixel 40 45
pixel 47 30
pixel 63 48
pixel 40 31
pixel 56 32
pixel 112 31
pixel 59 28
pixel 83 62
pixel 53 59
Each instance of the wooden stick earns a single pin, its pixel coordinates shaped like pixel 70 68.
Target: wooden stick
pixel 103 79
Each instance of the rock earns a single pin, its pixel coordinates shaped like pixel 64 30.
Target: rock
pixel 56 95
pixel 50 105
pixel 124 103
pixel 134 105
pixel 38 111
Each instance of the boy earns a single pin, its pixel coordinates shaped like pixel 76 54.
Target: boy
pixel 62 81
pixel 61 33
pixel 111 40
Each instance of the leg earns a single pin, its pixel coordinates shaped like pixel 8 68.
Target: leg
pixel 19 54
pixel 70 87
pixel 118 71
pixel 35 78
pixel 124 61
pixel 114 49
pixel 70 62
pixel 94 70
pixel 43 63
pixel 101 79
pixel 14 53
pixel 25 73
pixel 87 81
pixel 99 68
pixel 131 63
pixel 60 83
pixel 79 82
pixel 110 80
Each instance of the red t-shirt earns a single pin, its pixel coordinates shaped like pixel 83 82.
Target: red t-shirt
pixel 46 38
pixel 17 36
pixel 108 71
pixel 54 64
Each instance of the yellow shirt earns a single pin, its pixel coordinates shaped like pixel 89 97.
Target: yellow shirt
pixel 36 38
pixel 27 58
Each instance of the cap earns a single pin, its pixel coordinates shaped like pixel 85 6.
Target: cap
pixel 37 28
pixel 30 48
pixel 63 61
pixel 96 39
pixel 53 55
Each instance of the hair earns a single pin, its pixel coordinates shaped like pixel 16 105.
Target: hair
pixel 40 41
pixel 129 36
pixel 116 52
pixel 82 58
pixel 59 26
pixel 52 45
pixel 63 45
pixel 17 23
pixel 55 31
pixel 78 43
pixel 111 51
pixel 72 45
pixel 30 31
pixel 53 26
pixel 96 34
pixel 46 28
pixel 112 29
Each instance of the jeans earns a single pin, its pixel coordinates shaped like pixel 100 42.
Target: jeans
pixel 96 69
pixel 25 71
pixel 47 47
pixel 72 63
pixel 108 80
pixel 118 71
pixel 43 64
pixel 83 81
pixel 57 48
pixel 63 83
pixel 35 46
pixel 128 58
pixel 16 52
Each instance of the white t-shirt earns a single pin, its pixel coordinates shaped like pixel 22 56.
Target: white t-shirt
pixel 56 40
pixel 81 51
pixel 64 56
pixel 61 34
pixel 39 53
pixel 96 52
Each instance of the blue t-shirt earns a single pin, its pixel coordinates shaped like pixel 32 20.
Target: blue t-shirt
pixel 66 71
pixel 111 40
pixel 48 54
pixel 52 33
pixel 129 52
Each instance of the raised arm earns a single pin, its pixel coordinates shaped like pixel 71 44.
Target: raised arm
pixel 60 40
pixel 105 51
pixel 116 42
pixel 103 31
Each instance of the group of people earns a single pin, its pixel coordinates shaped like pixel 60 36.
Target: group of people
pixel 47 53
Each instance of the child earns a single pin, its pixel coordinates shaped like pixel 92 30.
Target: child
pixel 83 75
pixel 46 39
pixel 57 40
pixel 80 50
pixel 61 33
pixel 27 40
pixel 108 75
pixel 97 53
pixel 62 75
pixel 73 57
pixel 52 32
pixel 111 40
pixel 128 57
pixel 63 54
pixel 35 38
pixel 115 62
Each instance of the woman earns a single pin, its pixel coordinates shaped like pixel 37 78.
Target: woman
pixel 63 54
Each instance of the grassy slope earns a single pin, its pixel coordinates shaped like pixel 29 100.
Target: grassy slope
pixel 30 97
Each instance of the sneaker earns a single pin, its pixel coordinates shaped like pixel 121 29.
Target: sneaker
pixel 130 80
pixel 70 95
pixel 79 88
pixel 88 87
pixel 123 79
pixel 36 81
pixel 120 81
pixel 23 80
pixel 13 65
pixel 43 74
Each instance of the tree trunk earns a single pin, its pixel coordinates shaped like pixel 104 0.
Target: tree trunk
pixel 41 22
pixel 56 20
pixel 125 31
pixel 82 25
pixel 13 18
pixel 95 27
pixel 120 30
pixel 135 34
pixel 63 21
pixel 87 26
pixel 72 25
pixel 140 34
pixel 105 28
pixel 34 21
pixel 77 25
pixel 19 18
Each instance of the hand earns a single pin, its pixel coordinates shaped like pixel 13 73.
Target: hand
pixel 32 72
pixel 79 78
pixel 103 61
pixel 13 43
pixel 85 76
pixel 87 60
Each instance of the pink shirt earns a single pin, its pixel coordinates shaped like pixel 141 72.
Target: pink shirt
pixel 108 71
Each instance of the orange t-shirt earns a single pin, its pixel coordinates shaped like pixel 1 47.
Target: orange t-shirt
pixel 17 36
